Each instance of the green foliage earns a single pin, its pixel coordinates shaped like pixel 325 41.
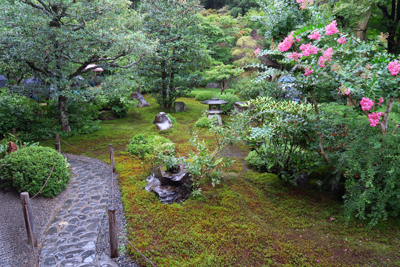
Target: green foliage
pixel 150 146
pixel 255 160
pixel 172 119
pixel 222 73
pixel 244 51
pixel 28 169
pixel 57 40
pixel 205 96
pixel 181 50
pixel 230 98
pixel 11 138
pixel 370 167
pixel 203 122
pixel 279 132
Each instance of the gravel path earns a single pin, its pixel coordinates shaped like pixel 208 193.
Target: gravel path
pixel 72 228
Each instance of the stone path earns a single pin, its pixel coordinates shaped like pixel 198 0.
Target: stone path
pixel 71 237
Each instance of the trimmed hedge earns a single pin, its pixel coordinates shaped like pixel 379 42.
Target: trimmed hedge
pixel 202 96
pixel 27 169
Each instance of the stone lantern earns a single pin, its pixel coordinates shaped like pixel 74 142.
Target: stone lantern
pixel 215 108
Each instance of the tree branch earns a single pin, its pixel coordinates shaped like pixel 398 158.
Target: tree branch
pixel 32 65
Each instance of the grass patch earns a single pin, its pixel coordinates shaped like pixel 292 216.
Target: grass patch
pixel 252 219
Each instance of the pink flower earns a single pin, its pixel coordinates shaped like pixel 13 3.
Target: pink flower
pixel 257 51
pixel 360 241
pixel 373 119
pixel 342 40
pixel 314 36
pixel 308 49
pixel 394 67
pixel 298 40
pixel 331 28
pixel 366 103
pixel 304 3
pixel 303 230
pixel 295 56
pixel 317 260
pixel 300 236
pixel 308 71
pixel 326 56
pixel 332 219
pixel 286 44
pixel 380 101
pixel 348 91
pixel 345 249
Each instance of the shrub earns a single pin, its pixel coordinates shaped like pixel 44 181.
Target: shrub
pixel 227 91
pixel 149 146
pixel 255 160
pixel 202 96
pixel 28 169
pixel 203 122
pixel 192 94
pixel 230 98
pixel 173 120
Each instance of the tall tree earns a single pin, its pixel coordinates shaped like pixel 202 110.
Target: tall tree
pixel 181 48
pixel 58 40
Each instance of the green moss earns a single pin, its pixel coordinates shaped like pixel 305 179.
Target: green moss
pixel 252 219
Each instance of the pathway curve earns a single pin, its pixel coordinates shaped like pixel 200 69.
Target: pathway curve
pixel 71 237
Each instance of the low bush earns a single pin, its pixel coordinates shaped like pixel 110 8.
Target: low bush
pixel 255 160
pixel 230 98
pixel 203 122
pixel 148 146
pixel 27 170
pixel 202 96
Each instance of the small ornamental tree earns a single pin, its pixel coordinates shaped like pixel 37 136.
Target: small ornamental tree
pixel 180 51
pixel 223 74
pixel 57 40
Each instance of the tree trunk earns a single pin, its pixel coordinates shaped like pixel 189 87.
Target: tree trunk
pixel 64 118
pixel 362 24
pixel 385 117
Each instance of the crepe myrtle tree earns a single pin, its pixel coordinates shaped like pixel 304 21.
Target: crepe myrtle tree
pixel 58 39
pixel 181 49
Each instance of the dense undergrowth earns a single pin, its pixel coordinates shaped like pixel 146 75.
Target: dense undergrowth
pixel 252 219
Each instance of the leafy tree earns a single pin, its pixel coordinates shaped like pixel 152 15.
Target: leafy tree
pixel 244 51
pixel 180 50
pixel 58 39
pixel 223 74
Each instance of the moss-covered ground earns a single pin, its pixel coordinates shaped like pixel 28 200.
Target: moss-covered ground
pixel 252 219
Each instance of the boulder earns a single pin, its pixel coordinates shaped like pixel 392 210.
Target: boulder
pixel 212 85
pixel 169 187
pixel 180 107
pixel 238 108
pixel 301 180
pixel 140 99
pixel 162 121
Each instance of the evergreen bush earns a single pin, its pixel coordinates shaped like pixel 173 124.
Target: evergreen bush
pixel 148 146
pixel 230 98
pixel 203 122
pixel 27 169
pixel 202 96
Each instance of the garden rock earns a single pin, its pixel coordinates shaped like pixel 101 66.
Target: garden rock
pixel 162 121
pixel 212 85
pixel 140 98
pixel 169 187
pixel 301 180
pixel 238 108
pixel 180 107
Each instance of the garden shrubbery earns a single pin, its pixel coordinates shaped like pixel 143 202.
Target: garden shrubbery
pixel 27 170
pixel 202 96
pixel 203 122
pixel 230 98
pixel 143 146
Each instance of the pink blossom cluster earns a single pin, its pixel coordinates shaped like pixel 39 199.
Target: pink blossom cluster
pixel 308 49
pixel 295 56
pixel 366 103
pixel 257 51
pixel 304 3
pixel 342 40
pixel 331 28
pixel 373 119
pixel 308 71
pixel 380 101
pixel 326 56
pixel 315 35
pixel 286 44
pixel 394 67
